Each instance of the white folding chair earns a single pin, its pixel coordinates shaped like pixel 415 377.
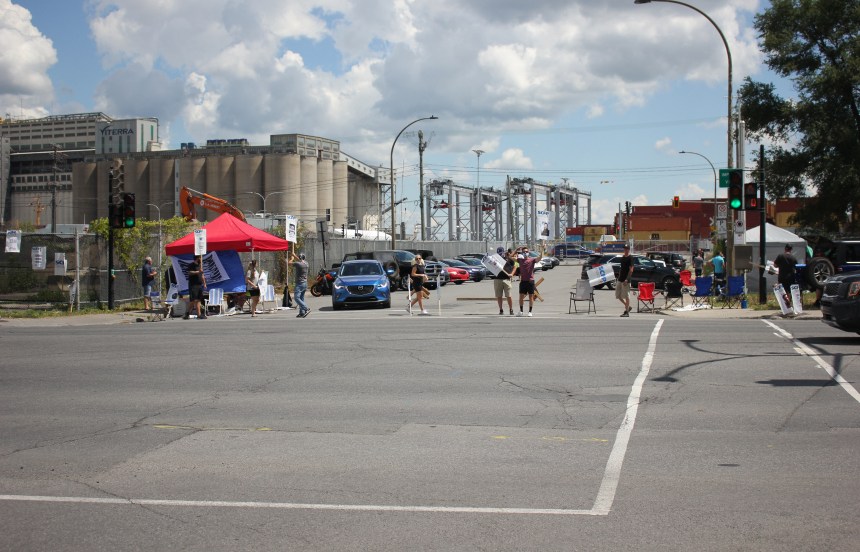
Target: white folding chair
pixel 267 295
pixel 215 300
pixel 172 301
pixel 582 292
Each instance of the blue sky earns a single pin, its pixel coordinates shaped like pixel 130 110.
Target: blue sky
pixel 602 93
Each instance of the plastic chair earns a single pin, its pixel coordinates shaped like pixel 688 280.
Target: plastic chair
pixel 702 296
pixel 734 293
pixel 674 294
pixel 582 292
pixel 267 295
pixel 215 300
pixel 645 298
pixel 685 276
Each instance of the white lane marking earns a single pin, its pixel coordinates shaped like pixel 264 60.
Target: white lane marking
pixel 602 504
pixel 295 506
pixel 612 474
pixel 805 350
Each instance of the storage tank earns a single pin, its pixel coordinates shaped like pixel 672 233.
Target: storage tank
pixel 161 189
pixel 340 194
pixel 308 200
pixel 292 183
pixel 85 184
pixel 249 178
pixel 324 186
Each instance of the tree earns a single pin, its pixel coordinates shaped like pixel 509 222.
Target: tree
pixel 815 137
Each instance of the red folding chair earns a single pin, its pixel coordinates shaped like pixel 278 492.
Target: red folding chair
pixel 645 299
pixel 685 278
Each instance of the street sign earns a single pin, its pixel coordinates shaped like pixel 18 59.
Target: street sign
pixel 724 177
pixel 722 211
pixel 721 228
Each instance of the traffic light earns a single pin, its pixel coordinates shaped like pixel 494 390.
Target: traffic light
pixel 115 215
pixel 736 185
pixel 676 202
pixel 751 202
pixel 127 210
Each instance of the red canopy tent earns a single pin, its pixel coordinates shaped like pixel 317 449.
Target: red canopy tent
pixel 229 233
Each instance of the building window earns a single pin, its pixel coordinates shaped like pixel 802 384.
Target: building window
pixel 655 236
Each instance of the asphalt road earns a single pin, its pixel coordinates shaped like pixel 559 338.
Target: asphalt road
pixel 377 430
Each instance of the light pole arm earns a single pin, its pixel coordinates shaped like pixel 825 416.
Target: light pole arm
pixel 391 179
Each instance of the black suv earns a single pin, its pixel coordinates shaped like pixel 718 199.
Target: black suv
pixel 840 302
pixel 672 260
pixel 644 270
pixel 831 257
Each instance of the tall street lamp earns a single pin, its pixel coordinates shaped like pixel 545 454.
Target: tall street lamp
pixel 729 163
pixel 391 179
pixel 158 208
pixel 477 209
pixel 715 186
pixel 264 198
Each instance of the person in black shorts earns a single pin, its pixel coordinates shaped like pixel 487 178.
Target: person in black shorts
pixel 622 286
pixel 419 276
pixel 196 284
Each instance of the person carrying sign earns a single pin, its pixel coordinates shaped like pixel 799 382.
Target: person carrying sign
pixel 527 277
pixel 502 283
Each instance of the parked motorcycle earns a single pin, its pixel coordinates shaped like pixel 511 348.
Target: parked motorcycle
pixel 324 283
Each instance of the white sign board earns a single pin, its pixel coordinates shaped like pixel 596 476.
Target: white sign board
pixel 200 241
pixel 544 225
pixel 722 211
pixel 13 241
pixel 292 224
pixel 38 255
pixel 59 264
pixel 600 275
pixel 721 228
pixel 740 232
pixel 494 263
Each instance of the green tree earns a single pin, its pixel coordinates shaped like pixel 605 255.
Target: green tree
pixel 815 137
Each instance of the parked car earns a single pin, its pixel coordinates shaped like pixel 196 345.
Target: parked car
pixel 397 260
pixel 570 251
pixel 544 263
pixel 476 263
pixel 644 270
pixel 840 302
pixel 831 257
pixel 456 274
pixel 673 260
pixel 554 260
pixel 432 269
pixel 596 260
pixel 476 273
pixel 361 282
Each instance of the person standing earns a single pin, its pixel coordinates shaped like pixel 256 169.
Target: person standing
pixel 786 262
pixel 622 285
pixel 147 276
pixel 301 267
pixel 698 263
pixel 502 283
pixel 719 264
pixel 527 277
pixel 419 276
pixel 196 285
pixel 251 285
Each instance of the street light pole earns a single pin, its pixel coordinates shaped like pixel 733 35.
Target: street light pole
pixel 729 163
pixel 391 179
pixel 715 188
pixel 158 208
pixel 264 198
pixel 477 208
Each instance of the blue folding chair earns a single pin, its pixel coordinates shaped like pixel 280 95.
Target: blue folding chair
pixel 702 296
pixel 734 292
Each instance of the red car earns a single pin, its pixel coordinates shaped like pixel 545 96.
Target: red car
pixel 458 275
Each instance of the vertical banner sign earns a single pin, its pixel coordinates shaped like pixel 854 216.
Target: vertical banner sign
pixel 291 228
pixel 13 241
pixel 543 225
pixel 59 264
pixel 200 241
pixel 38 255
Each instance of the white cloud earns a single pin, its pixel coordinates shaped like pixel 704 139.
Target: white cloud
pixel 25 57
pixel 512 158
pixel 664 145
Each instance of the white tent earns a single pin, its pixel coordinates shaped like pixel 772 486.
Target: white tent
pixel 776 239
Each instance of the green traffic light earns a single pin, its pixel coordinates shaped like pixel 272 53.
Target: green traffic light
pixel 735 203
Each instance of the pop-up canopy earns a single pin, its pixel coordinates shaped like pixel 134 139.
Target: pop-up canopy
pixel 229 233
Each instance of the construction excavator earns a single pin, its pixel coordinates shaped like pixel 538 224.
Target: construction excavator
pixel 189 200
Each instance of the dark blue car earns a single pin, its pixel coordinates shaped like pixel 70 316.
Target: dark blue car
pixel 361 282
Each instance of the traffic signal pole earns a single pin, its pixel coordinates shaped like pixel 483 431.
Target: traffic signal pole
pixel 110 268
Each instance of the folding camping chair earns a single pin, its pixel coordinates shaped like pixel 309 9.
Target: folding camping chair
pixel 582 292
pixel 734 292
pixel 215 300
pixel 674 294
pixel 685 275
pixel 267 295
pixel 172 300
pixel 702 296
pixel 645 298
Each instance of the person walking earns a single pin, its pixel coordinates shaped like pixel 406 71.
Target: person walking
pixel 301 267
pixel 196 285
pixel 251 285
pixel 418 276
pixel 147 276
pixel 502 283
pixel 786 262
pixel 622 284
pixel 527 277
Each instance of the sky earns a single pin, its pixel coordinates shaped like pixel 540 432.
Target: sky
pixel 600 94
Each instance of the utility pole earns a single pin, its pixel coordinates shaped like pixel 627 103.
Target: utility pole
pixel 422 145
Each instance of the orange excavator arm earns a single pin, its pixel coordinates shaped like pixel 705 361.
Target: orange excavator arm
pixel 189 200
